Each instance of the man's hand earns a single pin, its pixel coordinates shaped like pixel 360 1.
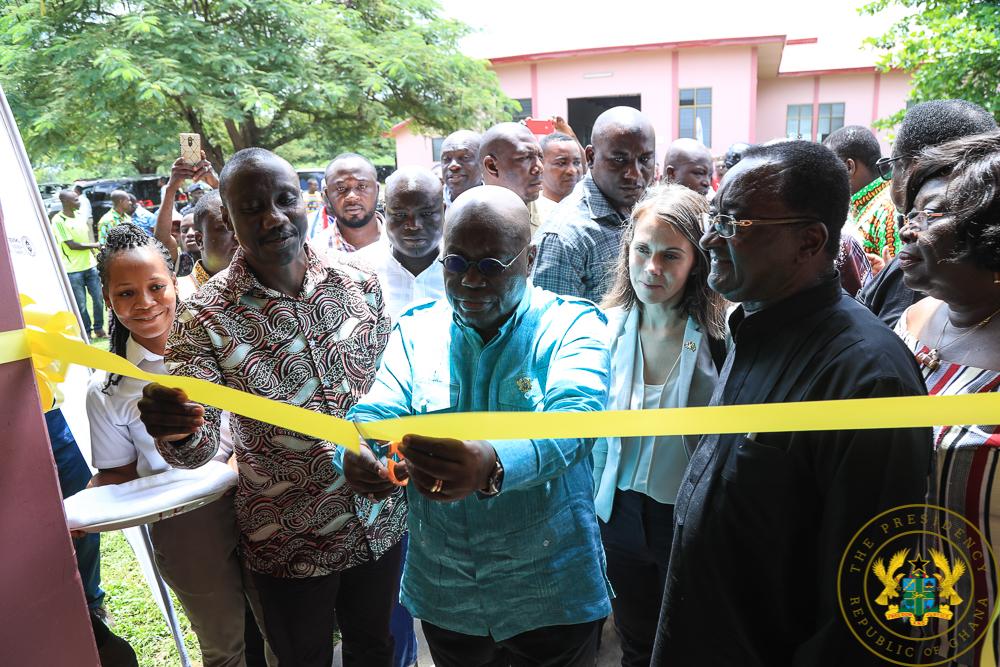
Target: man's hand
pixel 876 263
pixel 368 476
pixel 203 171
pixel 448 470
pixel 168 414
pixel 180 171
pixel 560 125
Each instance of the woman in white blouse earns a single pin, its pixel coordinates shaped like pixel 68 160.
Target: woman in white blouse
pixel 667 330
pixel 196 551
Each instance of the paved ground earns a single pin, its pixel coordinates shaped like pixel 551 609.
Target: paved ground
pixel 610 655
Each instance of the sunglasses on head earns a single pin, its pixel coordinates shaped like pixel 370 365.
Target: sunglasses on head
pixel 488 266
pixel 884 166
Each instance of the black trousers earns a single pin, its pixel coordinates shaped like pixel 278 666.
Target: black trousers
pixel 551 646
pixel 299 614
pixel 637 546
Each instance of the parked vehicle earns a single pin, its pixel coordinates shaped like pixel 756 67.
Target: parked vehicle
pixel 146 189
pixel 50 197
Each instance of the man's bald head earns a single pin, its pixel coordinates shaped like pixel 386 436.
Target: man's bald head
pixel 70 200
pixel 414 216
pixel 488 257
pixel 460 167
pixel 494 210
pixel 689 163
pixel 249 159
pixel 503 136
pixel 621 119
pixel 466 138
pixel 622 156
pixel 412 178
pixel 262 204
pixel 511 157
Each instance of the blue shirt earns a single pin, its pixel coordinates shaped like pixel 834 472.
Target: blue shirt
pixel 530 556
pixel 144 219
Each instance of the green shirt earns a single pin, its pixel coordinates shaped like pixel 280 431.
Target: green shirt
pixel 73 229
pixel 110 219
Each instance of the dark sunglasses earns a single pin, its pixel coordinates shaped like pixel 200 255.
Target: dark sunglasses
pixel 884 166
pixel 488 266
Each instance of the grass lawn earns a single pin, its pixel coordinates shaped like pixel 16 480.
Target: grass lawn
pixel 136 618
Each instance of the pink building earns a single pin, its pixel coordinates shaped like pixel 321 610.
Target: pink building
pixel 717 90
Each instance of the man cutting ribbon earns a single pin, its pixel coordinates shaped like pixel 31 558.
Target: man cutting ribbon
pixel 505 558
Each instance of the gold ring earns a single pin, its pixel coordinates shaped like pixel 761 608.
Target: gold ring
pixel 438 484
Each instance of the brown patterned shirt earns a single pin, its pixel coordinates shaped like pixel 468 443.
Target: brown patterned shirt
pixel 318 350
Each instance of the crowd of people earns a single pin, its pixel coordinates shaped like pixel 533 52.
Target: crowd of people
pixel 548 276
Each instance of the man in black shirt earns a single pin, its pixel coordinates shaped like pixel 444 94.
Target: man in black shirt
pixel 762 519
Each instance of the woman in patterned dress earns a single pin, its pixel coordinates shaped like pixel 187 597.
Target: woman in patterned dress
pixel 951 253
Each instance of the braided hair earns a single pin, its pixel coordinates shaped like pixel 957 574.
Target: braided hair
pixel 121 238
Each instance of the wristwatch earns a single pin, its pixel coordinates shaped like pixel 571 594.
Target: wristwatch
pixel 495 482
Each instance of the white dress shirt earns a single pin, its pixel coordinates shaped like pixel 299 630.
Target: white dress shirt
pixel 400 288
pixel 117 435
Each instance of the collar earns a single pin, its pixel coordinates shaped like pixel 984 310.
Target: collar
pixel 860 198
pixel 63 216
pixel 600 208
pixel 508 326
pixel 796 307
pixel 199 274
pixel 136 353
pixel 339 242
pixel 241 279
pixel 392 258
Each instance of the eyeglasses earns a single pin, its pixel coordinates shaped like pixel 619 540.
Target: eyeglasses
pixel 726 225
pixel 884 166
pixel 488 266
pixel 921 220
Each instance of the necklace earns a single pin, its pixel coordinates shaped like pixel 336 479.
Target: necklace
pixel 932 359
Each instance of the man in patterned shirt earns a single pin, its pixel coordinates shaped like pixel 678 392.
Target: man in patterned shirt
pixel 579 244
pixel 282 324
pixel 119 212
pixel 872 212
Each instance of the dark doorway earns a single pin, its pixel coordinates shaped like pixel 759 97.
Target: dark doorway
pixel 583 111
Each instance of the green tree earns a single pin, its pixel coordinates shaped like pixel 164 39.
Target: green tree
pixel 952 48
pixel 93 82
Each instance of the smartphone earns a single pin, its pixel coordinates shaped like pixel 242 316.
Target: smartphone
pixel 540 126
pixel 191 147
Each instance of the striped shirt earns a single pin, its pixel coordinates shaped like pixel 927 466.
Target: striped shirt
pixel 968 464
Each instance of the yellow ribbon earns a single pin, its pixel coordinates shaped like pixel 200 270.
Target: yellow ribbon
pixel 50 371
pixel 47 342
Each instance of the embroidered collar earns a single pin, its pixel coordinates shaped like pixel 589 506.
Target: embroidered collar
pixel 866 195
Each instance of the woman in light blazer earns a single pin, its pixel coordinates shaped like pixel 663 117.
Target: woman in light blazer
pixel 667 342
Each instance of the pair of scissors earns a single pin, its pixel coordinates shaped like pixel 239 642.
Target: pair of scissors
pixel 392 459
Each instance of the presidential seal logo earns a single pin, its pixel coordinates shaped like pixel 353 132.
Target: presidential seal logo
pixel 909 609
pixel 921 594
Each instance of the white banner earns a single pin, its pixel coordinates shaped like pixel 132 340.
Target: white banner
pixel 39 274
